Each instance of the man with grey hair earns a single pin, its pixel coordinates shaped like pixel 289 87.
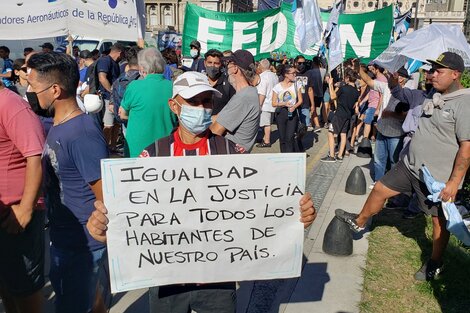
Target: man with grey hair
pixel 267 82
pixel 145 104
pixel 239 119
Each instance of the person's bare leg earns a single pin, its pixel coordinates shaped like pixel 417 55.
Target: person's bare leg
pixel 440 238
pixel 342 145
pixel 99 305
pixel 31 304
pixel 325 109
pixel 356 133
pixel 367 128
pixel 114 136
pixel 107 132
pixel 375 202
pixel 314 117
pixel 28 304
pixel 331 144
pixel 374 133
pixel 267 134
pixel 8 302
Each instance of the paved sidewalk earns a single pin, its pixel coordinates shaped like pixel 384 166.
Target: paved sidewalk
pixel 329 283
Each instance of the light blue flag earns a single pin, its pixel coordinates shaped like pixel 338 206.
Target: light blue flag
pixel 396 14
pixel 413 65
pixel 332 38
pixel 402 24
pixel 455 224
pixel 308 24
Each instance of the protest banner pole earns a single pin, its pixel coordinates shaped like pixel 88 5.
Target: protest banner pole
pixel 415 26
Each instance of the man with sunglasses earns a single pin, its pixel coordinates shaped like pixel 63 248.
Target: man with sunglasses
pixel 443 126
pixel 192 103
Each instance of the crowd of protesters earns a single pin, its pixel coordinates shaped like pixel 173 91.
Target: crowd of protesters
pixel 52 142
pixel 51 145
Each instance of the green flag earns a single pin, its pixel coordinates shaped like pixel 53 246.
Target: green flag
pixel 362 35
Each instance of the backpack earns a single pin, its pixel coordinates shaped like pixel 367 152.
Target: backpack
pixel 175 72
pixel 118 90
pixel 93 80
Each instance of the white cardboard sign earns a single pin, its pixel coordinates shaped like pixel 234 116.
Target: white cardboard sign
pixel 203 219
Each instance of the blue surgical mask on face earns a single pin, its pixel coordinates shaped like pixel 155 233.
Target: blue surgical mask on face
pixel 195 119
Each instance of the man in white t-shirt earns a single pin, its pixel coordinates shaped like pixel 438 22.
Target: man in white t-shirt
pixel 268 80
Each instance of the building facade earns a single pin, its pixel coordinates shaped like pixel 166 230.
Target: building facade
pixel 169 14
pixel 429 11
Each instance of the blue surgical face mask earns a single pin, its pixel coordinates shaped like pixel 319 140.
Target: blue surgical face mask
pixel 195 119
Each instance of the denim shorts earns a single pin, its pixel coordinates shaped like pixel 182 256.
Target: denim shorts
pixel 22 259
pixel 369 118
pixel 326 96
pixel 75 276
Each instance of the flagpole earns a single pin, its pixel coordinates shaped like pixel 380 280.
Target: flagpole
pixel 415 27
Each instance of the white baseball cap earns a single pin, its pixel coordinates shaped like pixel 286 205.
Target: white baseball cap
pixel 190 84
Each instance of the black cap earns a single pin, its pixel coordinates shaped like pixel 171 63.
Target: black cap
pixel 242 58
pixel 85 54
pixel 47 45
pixel 403 72
pixel 196 44
pixel 449 60
pixel 28 49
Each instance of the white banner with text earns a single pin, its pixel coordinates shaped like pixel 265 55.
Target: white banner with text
pixel 29 19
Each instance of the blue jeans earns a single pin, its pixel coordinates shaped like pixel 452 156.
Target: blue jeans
pixel 387 149
pixel 305 117
pixel 74 277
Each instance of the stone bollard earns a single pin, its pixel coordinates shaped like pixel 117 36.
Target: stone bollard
pixel 338 239
pixel 364 150
pixel 356 183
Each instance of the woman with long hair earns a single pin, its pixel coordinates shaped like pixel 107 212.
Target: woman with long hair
pixel 360 109
pixel 287 97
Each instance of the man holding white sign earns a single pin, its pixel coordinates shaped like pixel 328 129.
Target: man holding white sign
pixel 192 97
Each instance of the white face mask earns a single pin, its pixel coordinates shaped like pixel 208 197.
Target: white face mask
pixel 194 53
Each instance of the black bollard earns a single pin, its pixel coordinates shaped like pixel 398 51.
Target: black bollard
pixel 364 150
pixel 338 239
pixel 356 183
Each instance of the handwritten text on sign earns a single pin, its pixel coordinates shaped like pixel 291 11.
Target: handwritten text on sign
pixel 203 219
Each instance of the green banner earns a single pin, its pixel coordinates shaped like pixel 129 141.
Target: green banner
pixel 362 35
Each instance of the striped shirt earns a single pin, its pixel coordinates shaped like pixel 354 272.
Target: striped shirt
pixel 172 145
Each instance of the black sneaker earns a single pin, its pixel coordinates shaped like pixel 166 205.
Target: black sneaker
pixel 429 271
pixel 350 219
pixel 328 159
